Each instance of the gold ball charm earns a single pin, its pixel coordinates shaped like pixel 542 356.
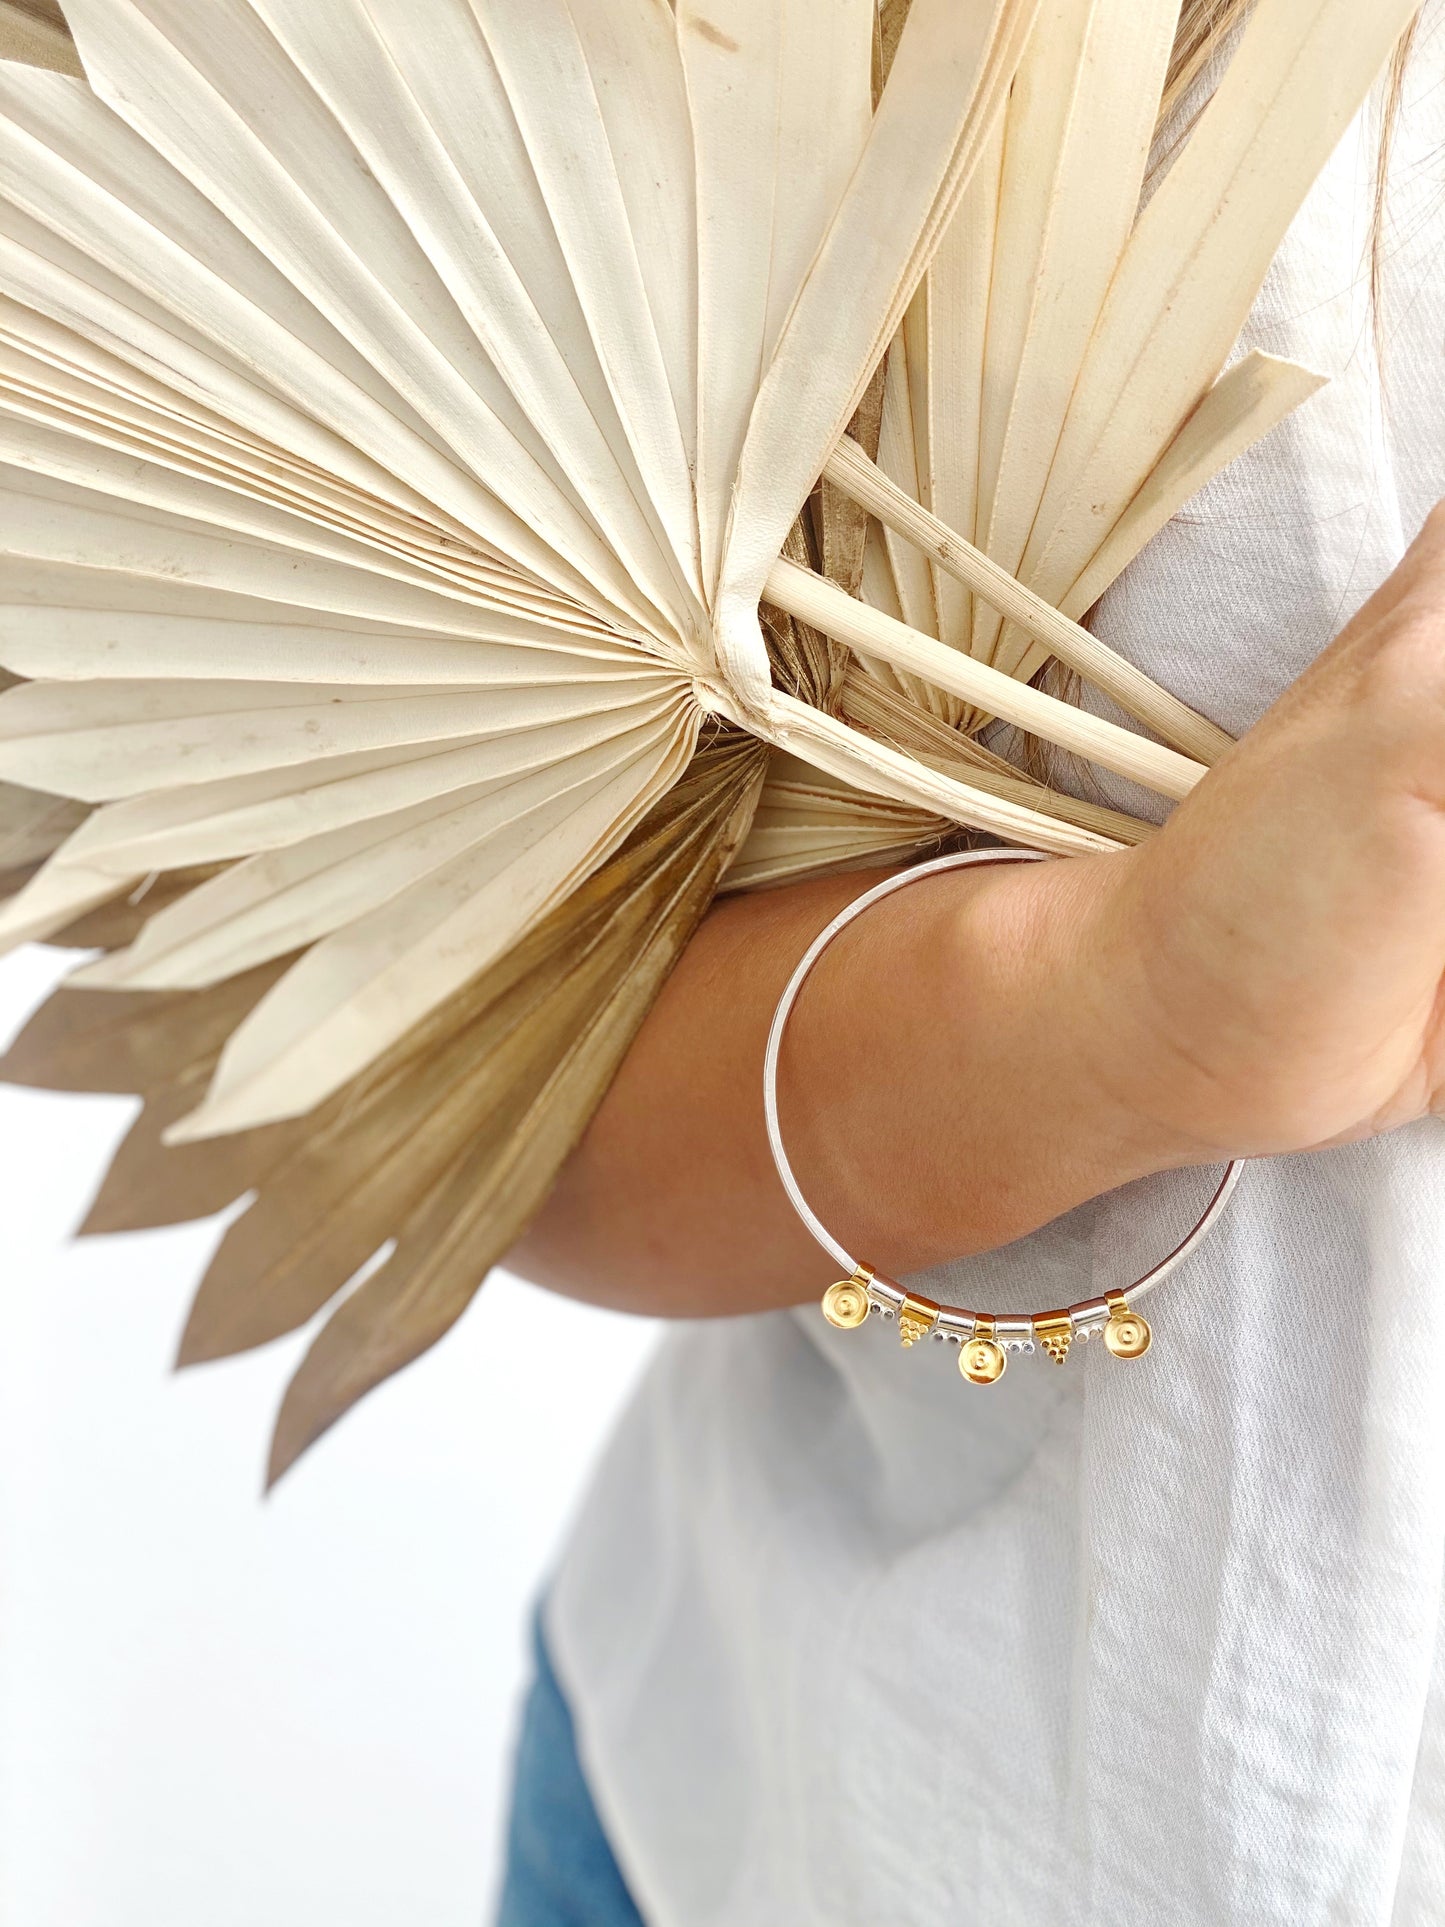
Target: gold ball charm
pixel 1127 1334
pixel 845 1304
pixel 981 1361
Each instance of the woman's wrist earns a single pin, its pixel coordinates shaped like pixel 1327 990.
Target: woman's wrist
pixel 1075 1044
pixel 985 1057
pixel 1121 1041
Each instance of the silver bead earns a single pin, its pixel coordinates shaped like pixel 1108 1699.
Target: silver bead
pixel 1014 1334
pixel 1089 1317
pixel 886 1295
pixel 955 1324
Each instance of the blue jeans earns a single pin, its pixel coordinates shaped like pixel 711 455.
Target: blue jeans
pixel 560 1869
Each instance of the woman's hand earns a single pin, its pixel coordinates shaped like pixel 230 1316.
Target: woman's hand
pixel 983 1051
pixel 1279 947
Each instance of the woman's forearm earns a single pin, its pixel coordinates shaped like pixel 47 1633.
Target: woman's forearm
pixel 943 1088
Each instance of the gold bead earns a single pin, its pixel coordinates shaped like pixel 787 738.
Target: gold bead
pixel 1055 1332
pixel 1127 1334
pixel 915 1318
pixel 982 1361
pixel 845 1304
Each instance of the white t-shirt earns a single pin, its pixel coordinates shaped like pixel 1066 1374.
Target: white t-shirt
pixel 851 1642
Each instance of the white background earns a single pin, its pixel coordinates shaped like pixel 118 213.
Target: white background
pixel 219 1711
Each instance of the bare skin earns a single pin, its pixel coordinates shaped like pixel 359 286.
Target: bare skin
pixel 989 1048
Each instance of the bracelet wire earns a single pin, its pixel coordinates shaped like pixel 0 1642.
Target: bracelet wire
pixel 884 1294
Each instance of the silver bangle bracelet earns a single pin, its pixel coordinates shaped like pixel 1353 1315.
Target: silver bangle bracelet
pixel 984 1338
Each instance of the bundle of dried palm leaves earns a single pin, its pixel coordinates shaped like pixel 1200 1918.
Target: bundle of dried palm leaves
pixel 482 476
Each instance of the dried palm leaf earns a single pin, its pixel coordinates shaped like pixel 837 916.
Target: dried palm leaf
pixel 541 1031
pixel 33 826
pixel 806 825
pixel 35 31
pixel 422 439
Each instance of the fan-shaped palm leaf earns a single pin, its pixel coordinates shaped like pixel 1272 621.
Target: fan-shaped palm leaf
pixel 423 429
